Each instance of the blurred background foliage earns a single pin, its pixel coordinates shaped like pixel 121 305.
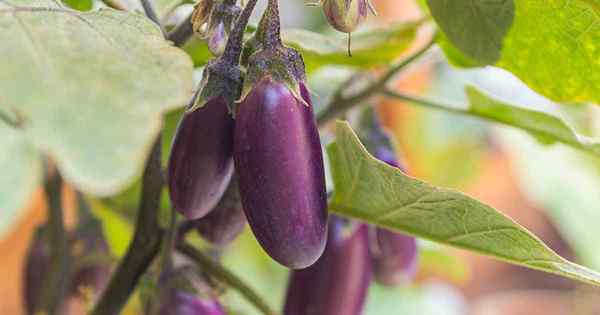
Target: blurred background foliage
pixel 551 190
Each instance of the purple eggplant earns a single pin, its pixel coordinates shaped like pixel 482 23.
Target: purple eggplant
pixel 37 263
pixel 337 283
pixel 224 223
pixel 279 162
pixel 201 163
pixel 183 291
pixel 395 257
pixel 88 242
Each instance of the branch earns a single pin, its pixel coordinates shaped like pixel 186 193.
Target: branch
pixel 426 103
pixel 151 14
pixel 340 104
pixel 146 241
pixel 56 285
pixel 224 275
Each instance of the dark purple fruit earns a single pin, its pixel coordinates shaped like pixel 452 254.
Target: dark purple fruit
pixel 37 264
pixel 184 292
pixel 224 223
pixel 201 164
pixel 279 162
pixel 337 283
pixel 90 254
pixel 395 257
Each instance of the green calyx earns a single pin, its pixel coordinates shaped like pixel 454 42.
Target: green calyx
pixel 219 80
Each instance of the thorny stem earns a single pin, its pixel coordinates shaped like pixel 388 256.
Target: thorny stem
pixel 340 104
pixel 234 46
pixel 224 275
pixel 56 279
pixel 146 240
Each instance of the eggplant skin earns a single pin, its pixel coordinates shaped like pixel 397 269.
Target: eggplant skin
pixel 201 163
pixel 345 15
pixel 181 303
pixel 338 282
pixel 279 162
pixel 396 258
pixel 224 223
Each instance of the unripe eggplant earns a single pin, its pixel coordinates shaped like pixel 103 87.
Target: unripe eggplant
pixel 183 291
pixel 217 39
pixel 345 15
pixel 224 223
pixel 279 162
pixel 201 163
pixel 337 283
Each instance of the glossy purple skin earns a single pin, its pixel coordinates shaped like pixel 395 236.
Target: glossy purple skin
pixel 224 223
pixel 278 158
pixel 182 303
pixel 338 282
pixel 201 163
pixel 395 255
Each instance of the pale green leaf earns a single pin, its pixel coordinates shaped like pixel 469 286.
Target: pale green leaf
pixel 370 48
pixel 372 191
pixel 90 89
pixel 115 227
pixel 545 127
pixel 552 45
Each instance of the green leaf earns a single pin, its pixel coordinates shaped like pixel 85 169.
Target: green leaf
pixel 21 173
pixel 372 191
pixel 552 45
pixel 81 5
pixel 371 48
pixel 90 89
pixel 546 128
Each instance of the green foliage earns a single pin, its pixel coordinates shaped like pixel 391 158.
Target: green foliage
pixel 552 45
pixel 89 90
pixel 81 5
pixel 370 190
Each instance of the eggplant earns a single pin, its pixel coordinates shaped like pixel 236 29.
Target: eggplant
pixel 345 15
pixel 37 264
pixel 395 257
pixel 183 291
pixel 279 162
pixel 201 163
pixel 223 224
pixel 338 282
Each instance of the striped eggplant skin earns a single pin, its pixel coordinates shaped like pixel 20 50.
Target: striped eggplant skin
pixel 395 255
pixel 345 15
pixel 338 282
pixel 224 223
pixel 201 163
pixel 395 258
pixel 279 162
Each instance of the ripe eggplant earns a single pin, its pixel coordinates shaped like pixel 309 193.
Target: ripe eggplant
pixel 395 257
pixel 201 163
pixel 224 223
pixel 337 283
pixel 278 158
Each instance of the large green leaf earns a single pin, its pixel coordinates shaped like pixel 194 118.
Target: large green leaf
pixel 546 127
pixel 371 48
pixel 370 190
pixel 90 89
pixel 552 45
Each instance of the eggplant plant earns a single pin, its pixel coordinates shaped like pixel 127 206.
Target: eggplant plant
pixel 290 132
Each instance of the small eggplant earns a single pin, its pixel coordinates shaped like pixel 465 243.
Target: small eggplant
pixel 338 282
pixel 224 223
pixel 201 163
pixel 278 158
pixel 183 291
pixel 88 241
pixel 345 15
pixel 395 257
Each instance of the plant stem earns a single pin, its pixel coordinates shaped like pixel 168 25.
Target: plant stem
pixel 235 42
pixel 146 240
pixel 340 104
pixel 151 14
pixel 426 103
pixel 56 280
pixel 224 275
pixel 182 32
